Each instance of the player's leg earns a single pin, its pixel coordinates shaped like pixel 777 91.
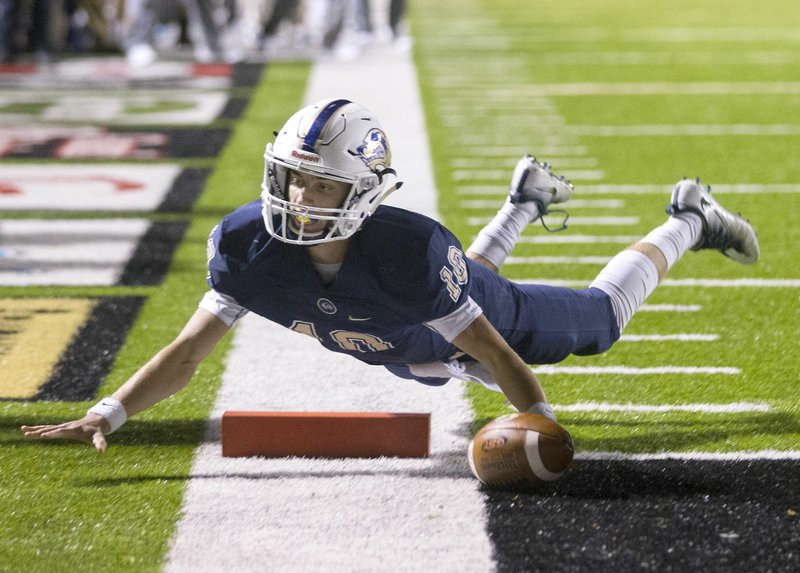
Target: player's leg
pixel 697 221
pixel 533 188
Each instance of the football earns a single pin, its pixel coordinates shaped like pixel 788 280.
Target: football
pixel 520 451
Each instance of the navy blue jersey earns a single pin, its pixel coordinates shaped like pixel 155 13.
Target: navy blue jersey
pixel 401 270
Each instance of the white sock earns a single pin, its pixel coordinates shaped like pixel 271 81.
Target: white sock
pixel 497 239
pixel 631 276
pixel 676 236
pixel 628 279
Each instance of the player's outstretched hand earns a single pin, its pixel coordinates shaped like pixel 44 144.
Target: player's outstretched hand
pixel 91 429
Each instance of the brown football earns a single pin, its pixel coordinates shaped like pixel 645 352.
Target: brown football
pixel 520 451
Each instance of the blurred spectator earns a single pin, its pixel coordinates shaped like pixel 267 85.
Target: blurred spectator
pixel 353 25
pixel 93 25
pixel 216 30
pixel 30 26
pixel 6 50
pixel 205 21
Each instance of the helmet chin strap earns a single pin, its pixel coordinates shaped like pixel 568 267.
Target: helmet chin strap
pixel 381 173
pixel 382 197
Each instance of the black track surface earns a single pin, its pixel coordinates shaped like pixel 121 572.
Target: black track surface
pixel 653 516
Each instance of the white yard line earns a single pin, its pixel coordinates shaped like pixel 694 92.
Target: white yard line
pixel 543 260
pixel 636 371
pixel 720 283
pixel 508 163
pixel 341 515
pixel 735 283
pixel 643 189
pixel 573 221
pixel 453 35
pixel 574 203
pixel 732 408
pixel 698 130
pixel 634 58
pixel 637 88
pixel 670 308
pixel 665 189
pixel 682 337
pixel 487 149
pixel 556 239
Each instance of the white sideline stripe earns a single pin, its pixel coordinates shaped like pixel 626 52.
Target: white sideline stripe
pixel 634 371
pixel 732 408
pixel 669 337
pixel 691 456
pixel 601 221
pixel 587 260
pixel 721 283
pixel 338 515
pixel 701 130
pixel 626 189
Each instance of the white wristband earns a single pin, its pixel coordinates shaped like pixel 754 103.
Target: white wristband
pixel 112 410
pixel 543 409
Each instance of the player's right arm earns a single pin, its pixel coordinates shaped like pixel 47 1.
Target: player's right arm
pixel 173 366
pixel 161 377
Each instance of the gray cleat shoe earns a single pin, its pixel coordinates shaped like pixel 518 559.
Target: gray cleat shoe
pixel 730 234
pixel 534 182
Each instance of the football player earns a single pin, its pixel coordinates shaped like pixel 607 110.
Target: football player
pixel 319 254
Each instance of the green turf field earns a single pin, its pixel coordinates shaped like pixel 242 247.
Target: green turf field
pixel 66 508
pixel 634 96
pixel 625 95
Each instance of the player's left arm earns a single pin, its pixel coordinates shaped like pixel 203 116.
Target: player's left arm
pixel 515 378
